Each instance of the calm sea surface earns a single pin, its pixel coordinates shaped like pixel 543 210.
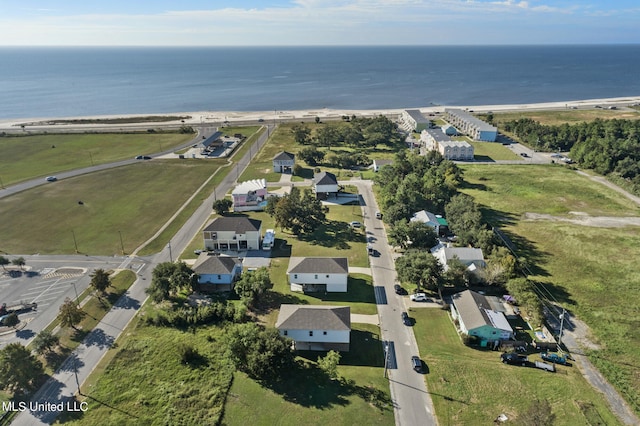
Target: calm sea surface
pixel 59 82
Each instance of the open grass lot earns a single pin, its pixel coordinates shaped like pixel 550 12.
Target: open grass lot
pixel 133 201
pixel 361 397
pixel 470 386
pixel 591 271
pixel 282 139
pixel 492 151
pixel 146 382
pixel 552 117
pixel 27 157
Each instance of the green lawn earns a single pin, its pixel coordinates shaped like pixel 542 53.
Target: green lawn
pixel 553 117
pixel 492 151
pixel 470 386
pixel 27 157
pixel 131 201
pixel 591 271
pixel 361 397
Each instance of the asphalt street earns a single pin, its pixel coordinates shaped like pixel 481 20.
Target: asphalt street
pixel 411 400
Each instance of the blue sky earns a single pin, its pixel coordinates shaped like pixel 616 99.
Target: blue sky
pixel 317 22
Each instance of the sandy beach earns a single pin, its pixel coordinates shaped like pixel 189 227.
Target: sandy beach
pixel 215 117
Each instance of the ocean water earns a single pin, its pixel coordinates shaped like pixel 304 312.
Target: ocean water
pixel 62 82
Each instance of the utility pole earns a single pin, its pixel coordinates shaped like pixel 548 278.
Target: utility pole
pixel 75 243
pixel 170 255
pixel 121 244
pixel 561 327
pixel 386 358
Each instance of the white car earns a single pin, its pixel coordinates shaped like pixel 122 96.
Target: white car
pixel 51 179
pixel 418 297
pixel 355 224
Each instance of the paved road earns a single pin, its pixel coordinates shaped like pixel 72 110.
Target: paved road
pixel 22 186
pixel 411 400
pixel 68 380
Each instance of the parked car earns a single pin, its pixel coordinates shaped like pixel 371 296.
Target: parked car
pixel 378 215
pixel 554 358
pixel 514 359
pixel 138 157
pixel 418 297
pixel 416 363
pixel 398 289
pixel 355 224
pixel 524 154
pixel 51 179
pixel 405 318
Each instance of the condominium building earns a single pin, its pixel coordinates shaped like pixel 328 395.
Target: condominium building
pixel 470 125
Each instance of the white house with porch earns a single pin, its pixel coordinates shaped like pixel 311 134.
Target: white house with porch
pixel 283 162
pixel 316 327
pixel 217 273
pixel 318 274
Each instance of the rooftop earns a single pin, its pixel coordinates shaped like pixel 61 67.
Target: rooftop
pixel 314 317
pixel 318 265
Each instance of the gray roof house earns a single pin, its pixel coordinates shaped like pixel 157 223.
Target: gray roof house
pixel 234 233
pixel 283 162
pixel 477 317
pixel 325 183
pixel 314 274
pixel 316 327
pixel 217 273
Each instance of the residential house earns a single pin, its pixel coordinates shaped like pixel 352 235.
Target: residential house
pixel 472 258
pixel 313 274
pixel 476 317
pixel 250 195
pixel 378 164
pixel 316 327
pixel 325 184
pixel 232 233
pixel 283 162
pixel 437 222
pixel 217 273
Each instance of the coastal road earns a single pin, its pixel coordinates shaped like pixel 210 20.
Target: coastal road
pixel 69 379
pixel 411 400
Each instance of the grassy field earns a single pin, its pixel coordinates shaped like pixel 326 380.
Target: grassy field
pixel 132 201
pixel 27 157
pixel 565 115
pixel 362 397
pixel 470 386
pixel 591 271
pixel 491 151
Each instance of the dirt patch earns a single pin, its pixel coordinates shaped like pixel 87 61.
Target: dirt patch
pixel 583 219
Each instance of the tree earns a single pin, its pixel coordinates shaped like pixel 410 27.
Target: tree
pixel 327 136
pixel 70 314
pixel 100 281
pixel 19 261
pixel 298 211
pixel 297 169
pixel 11 320
pixel 45 341
pixel 329 364
pixel 421 268
pixel 301 133
pixel 168 278
pixel 310 155
pixel 3 262
pixel 19 369
pixel 538 414
pixel 464 218
pixel 252 285
pixel 259 352
pixel 222 206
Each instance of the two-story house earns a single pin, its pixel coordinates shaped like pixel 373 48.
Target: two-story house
pixel 232 233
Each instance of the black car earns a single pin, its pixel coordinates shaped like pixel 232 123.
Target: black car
pixel 514 359
pixel 416 363
pixel 399 290
pixel 405 319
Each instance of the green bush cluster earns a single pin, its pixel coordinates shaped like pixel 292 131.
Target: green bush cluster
pixel 190 316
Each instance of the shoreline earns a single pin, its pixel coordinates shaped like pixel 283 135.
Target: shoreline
pixel 212 117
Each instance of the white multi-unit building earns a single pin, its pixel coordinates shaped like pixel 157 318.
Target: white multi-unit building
pixel 470 125
pixel 437 140
pixel 412 120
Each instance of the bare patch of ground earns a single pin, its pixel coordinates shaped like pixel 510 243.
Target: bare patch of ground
pixel 583 219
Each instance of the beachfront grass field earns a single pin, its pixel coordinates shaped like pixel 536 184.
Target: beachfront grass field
pixel 471 386
pixel 492 151
pixel 552 117
pixel 591 271
pixel 27 157
pixel 130 201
